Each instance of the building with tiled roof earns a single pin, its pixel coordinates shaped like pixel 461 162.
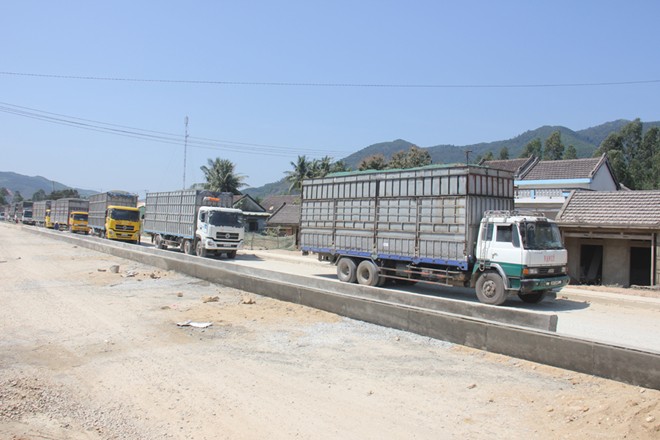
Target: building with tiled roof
pixel 516 166
pixel 286 220
pixel 273 203
pixel 612 237
pixel 544 185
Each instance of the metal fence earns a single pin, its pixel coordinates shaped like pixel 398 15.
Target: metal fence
pixel 256 241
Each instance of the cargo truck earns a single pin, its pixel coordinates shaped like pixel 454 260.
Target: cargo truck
pixel 451 225
pixel 196 221
pixel 115 215
pixel 41 213
pixel 23 212
pixel 70 214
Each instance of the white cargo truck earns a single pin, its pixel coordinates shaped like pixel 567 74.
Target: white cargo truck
pixel 196 221
pixel 444 224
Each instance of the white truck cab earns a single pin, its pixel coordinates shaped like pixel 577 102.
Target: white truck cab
pixel 219 230
pixel 521 254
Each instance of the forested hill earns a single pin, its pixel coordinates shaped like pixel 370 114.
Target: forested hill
pixel 585 141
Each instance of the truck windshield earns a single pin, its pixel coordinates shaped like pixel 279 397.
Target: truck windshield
pixel 220 218
pixel 540 235
pixel 27 214
pixel 80 217
pixel 125 214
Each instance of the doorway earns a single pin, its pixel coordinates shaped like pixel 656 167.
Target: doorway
pixel 591 264
pixel 640 266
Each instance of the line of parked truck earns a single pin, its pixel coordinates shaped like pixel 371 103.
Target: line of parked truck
pixel 452 225
pixel 196 221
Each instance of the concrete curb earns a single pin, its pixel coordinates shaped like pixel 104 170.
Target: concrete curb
pixel 629 365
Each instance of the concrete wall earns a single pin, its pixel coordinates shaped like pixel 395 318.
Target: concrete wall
pixel 616 262
pixel 616 259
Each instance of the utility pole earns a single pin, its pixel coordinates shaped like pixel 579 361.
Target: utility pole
pixel 185 152
pixel 467 156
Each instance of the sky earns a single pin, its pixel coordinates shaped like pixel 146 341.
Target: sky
pixel 95 94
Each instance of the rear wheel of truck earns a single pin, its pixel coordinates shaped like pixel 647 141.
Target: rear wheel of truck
pixel 188 247
pixel 200 250
pixel 367 273
pixel 532 298
pixel 346 270
pixel 490 289
pixel 158 241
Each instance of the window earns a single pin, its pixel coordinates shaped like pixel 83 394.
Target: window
pixel 489 232
pixel 504 234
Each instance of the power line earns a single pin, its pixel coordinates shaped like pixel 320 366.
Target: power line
pixel 338 85
pixel 158 136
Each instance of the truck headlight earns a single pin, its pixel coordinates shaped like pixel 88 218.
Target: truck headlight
pixel 531 271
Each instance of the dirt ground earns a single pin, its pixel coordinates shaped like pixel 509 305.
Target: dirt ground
pixel 87 353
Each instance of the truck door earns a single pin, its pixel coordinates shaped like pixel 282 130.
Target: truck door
pixel 505 249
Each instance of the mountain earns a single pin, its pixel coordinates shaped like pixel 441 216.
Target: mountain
pixel 28 185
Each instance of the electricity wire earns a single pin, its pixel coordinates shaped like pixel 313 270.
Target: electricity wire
pixel 330 85
pixel 158 136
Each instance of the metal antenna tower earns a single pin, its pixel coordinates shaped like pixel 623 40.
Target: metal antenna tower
pixel 185 152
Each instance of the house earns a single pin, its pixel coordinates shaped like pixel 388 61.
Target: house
pixel 612 238
pixel 274 203
pixel 254 214
pixel 286 220
pixel 544 185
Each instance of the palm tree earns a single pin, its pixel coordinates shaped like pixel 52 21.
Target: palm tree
pixel 302 169
pixel 220 176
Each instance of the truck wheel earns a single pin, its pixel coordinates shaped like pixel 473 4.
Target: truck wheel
pixel 346 270
pixel 188 247
pixel 158 242
pixel 200 250
pixel 231 255
pixel 367 273
pixel 490 289
pixel 532 298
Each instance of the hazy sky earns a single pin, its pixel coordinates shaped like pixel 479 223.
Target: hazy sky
pixel 265 81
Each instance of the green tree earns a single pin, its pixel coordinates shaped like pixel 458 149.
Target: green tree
pixel 3 195
pixel 554 148
pixel 302 169
pixel 221 176
pixel 339 167
pixel 413 158
pixel 63 194
pixel 645 166
pixel 487 156
pixel 39 195
pixel 631 139
pixel 570 153
pixel 17 197
pixel 613 147
pixel 533 148
pixel 504 154
pixel 375 162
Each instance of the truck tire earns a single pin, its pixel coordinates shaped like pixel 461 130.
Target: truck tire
pixel 231 255
pixel 367 273
pixel 158 241
pixel 532 298
pixel 200 250
pixel 490 289
pixel 187 247
pixel 346 270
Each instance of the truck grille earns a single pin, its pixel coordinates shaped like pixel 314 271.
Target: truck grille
pixel 230 236
pixel 551 271
pixel 124 228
